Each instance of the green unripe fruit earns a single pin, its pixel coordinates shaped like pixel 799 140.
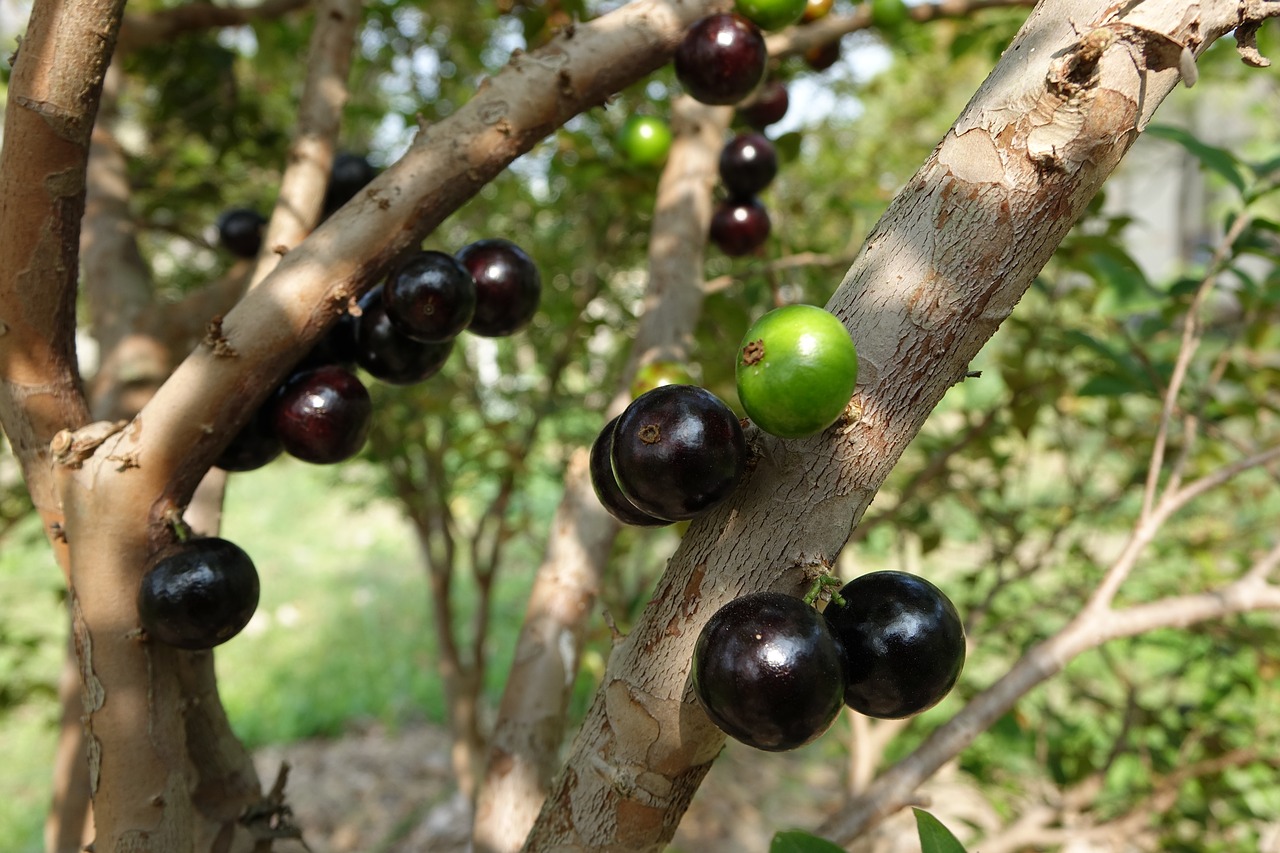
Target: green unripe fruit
pixel 655 374
pixel 889 15
pixel 796 370
pixel 771 14
pixel 644 140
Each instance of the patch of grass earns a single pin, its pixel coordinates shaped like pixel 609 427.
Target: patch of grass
pixel 32 635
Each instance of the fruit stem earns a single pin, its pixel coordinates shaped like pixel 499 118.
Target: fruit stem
pixel 181 530
pixel 822 582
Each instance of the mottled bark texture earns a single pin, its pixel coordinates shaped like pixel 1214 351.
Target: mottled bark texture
pixel 944 266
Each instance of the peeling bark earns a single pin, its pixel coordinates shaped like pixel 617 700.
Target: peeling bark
pixel 939 272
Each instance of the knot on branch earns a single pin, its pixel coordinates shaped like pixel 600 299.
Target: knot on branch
pixel 71 448
pixel 215 340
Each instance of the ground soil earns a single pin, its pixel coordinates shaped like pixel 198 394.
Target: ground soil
pixel 380 791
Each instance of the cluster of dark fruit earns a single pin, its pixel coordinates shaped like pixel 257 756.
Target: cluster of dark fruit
pixel 203 591
pixel 402 334
pixel 673 454
pixel 240 228
pixel 773 672
pixel 740 223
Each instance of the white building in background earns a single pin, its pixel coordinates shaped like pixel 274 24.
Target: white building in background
pixel 1177 209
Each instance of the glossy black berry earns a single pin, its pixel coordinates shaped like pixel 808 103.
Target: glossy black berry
pixel 349 174
pixel 508 286
pixel 740 226
pixel 431 297
pixel 721 59
pixel 198 594
pixel 322 415
pixel 606 485
pixel 767 107
pixel 388 354
pixel 748 164
pixel 240 231
pixel 678 450
pixel 903 643
pixel 768 672
pixel 253 446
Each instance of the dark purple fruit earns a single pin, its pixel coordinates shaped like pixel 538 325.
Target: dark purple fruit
pixel 678 450
pixel 322 415
pixel 338 346
pixel 823 56
pixel 739 226
pixel 387 353
pixel 768 672
pixel 606 485
pixel 721 59
pixel 198 594
pixel 508 286
pixel 254 445
pixel 903 643
pixel 349 174
pixel 431 297
pixel 767 107
pixel 240 231
pixel 748 164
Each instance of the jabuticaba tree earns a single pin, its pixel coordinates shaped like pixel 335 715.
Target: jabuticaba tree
pixel 935 278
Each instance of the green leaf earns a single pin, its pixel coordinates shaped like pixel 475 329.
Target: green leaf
pixel 798 841
pixel 934 837
pixel 1211 157
pixel 788 146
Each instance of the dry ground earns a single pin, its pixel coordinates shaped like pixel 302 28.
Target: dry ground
pixel 376 791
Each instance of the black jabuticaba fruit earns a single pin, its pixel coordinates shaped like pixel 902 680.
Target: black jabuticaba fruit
pixel 198 594
pixel 431 297
pixel 903 643
pixel 255 445
pixel 768 671
pixel 678 450
pixel 388 354
pixel 606 485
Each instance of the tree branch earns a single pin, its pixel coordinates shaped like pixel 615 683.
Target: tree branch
pixel 936 276
pixel 310 157
pixel 53 99
pixel 144 29
pixel 796 40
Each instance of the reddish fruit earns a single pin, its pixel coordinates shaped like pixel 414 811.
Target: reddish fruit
pixel 388 354
pixel 431 297
pixel 322 415
pixel 721 59
pixel 748 164
pixel 739 226
pixel 508 286
pixel 767 107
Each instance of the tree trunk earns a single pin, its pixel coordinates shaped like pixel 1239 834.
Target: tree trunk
pixel 938 274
